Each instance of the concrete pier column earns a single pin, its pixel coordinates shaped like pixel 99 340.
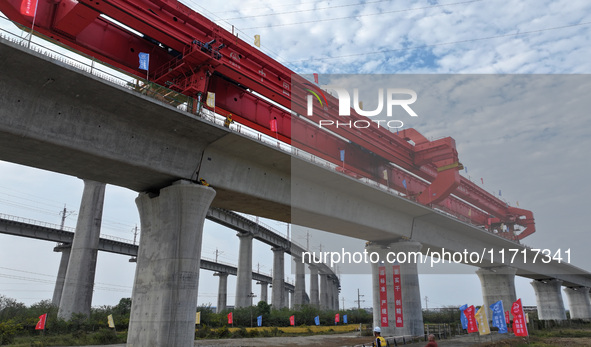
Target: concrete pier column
pixel 314 293
pixel 79 281
pixel 61 273
pixel 579 303
pixel 549 299
pixel 264 289
pixel 300 283
pixel 278 277
pixel 412 315
pixel 164 298
pixel 498 283
pixel 324 296
pixel 286 298
pixel 335 295
pixel 222 291
pixel 244 272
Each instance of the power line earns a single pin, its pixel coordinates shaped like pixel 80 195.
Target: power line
pixel 275 6
pixel 444 43
pixel 365 15
pixel 308 10
pixel 278 57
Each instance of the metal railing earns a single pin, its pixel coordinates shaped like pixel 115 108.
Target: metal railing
pixel 56 227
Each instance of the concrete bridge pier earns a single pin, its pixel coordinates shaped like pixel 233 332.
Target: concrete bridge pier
pixel 222 291
pixel 244 272
pixel 412 322
pixel 300 282
pixel 335 295
pixel 277 300
pixel 324 297
pixel 286 295
pixel 549 299
pixel 314 294
pixel 79 280
pixel 579 303
pixel 264 290
pixel 61 273
pixel 164 298
pixel 498 283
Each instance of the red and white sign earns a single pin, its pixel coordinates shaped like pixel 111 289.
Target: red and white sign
pixel 383 297
pixel 472 325
pixel 519 325
pixel 292 320
pixel 41 323
pixel 28 7
pixel 230 318
pixel 398 297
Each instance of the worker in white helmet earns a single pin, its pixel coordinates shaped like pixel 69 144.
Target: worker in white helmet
pixel 380 341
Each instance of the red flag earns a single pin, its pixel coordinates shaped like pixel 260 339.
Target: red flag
pixel 472 325
pixel 397 297
pixel 337 318
pixel 230 318
pixel 292 320
pixel 273 125
pixel 28 7
pixel 508 321
pixel 519 325
pixel 383 297
pixel 41 323
pixel 316 78
pixel 482 180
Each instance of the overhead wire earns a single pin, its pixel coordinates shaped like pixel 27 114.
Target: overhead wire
pixel 307 10
pixel 277 55
pixel 365 15
pixel 277 5
pixel 444 43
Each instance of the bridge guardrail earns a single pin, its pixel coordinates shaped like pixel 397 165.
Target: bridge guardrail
pixel 56 227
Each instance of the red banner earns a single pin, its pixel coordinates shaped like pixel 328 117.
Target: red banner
pixel 469 313
pixel 383 297
pixel 508 321
pixel 398 297
pixel 337 318
pixel 292 320
pixel 519 325
pixel 230 318
pixel 273 125
pixel 28 7
pixel 41 323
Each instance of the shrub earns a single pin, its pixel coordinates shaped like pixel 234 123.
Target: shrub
pixel 105 336
pixel 8 331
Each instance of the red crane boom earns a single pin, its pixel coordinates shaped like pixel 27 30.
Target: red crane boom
pixel 192 55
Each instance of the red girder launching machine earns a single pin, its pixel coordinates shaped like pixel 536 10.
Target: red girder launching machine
pixel 192 55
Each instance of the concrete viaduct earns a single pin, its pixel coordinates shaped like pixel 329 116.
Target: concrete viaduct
pixel 324 299
pixel 58 118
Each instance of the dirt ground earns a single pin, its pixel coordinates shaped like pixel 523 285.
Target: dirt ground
pixel 350 339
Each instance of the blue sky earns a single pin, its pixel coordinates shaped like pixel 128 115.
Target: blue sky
pixel 539 158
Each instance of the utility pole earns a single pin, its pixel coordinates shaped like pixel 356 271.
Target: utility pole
pixel 65 213
pixel 216 254
pixel 343 298
pixel 426 303
pixel 359 301
pixel 135 234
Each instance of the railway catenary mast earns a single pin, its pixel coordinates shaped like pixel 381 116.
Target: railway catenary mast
pixel 192 55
